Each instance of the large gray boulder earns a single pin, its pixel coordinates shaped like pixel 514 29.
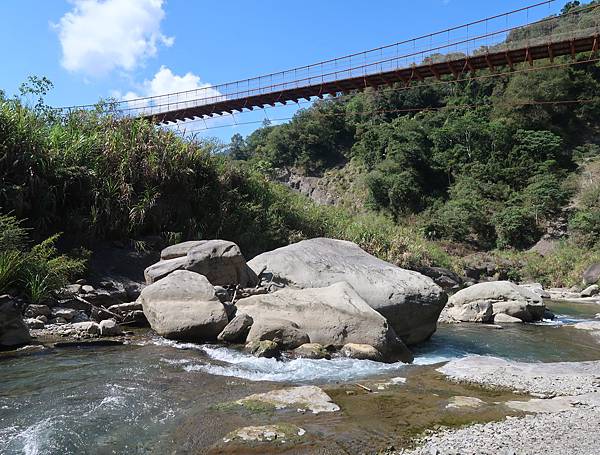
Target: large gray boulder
pixel 591 274
pixel 13 331
pixel 480 302
pixel 410 301
pixel 333 315
pixel 220 261
pixel 183 306
pixel 180 249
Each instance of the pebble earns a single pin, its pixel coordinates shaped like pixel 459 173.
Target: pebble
pixel 574 432
pixel 558 430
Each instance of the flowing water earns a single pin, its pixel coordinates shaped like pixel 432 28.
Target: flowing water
pixel 157 396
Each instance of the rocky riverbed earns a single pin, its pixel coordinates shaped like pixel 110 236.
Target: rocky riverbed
pixel 305 349
pixel 564 420
pixel 181 397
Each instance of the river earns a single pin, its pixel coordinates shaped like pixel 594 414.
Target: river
pixel 156 396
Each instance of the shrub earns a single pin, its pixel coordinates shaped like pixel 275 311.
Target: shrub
pixel 585 227
pixel 544 196
pixel 37 272
pixel 515 227
pixel 563 267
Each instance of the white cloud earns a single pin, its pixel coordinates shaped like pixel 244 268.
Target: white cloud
pixel 98 36
pixel 170 91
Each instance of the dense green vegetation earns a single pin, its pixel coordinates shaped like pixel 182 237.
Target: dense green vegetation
pixel 34 271
pixel 491 174
pixel 488 161
pixel 449 168
pixel 93 176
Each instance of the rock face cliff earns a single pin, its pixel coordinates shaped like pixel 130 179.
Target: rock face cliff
pixel 316 188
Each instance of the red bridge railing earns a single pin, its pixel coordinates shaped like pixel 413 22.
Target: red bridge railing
pixel 453 50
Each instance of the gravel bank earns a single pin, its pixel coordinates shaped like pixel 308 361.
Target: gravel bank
pixel 567 424
pixel 570 432
pixel 539 379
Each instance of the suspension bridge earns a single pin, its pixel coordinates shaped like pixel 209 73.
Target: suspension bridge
pixel 501 41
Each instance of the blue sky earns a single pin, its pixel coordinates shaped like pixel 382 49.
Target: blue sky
pixel 93 49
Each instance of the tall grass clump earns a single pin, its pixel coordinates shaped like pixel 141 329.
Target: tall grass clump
pixel 562 267
pixel 33 272
pixel 96 175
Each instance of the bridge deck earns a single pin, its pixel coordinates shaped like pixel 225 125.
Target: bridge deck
pixel 492 60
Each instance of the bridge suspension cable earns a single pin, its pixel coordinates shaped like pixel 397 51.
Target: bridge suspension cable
pixel 468 47
pixel 183 126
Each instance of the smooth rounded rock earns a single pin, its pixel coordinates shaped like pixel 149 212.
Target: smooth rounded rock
pixel 501 318
pixel 237 329
pixel 312 351
pixel 109 327
pixel 286 334
pixel 333 315
pixel 591 274
pixel 265 348
pixel 503 296
pixel 183 306
pixel 410 301
pixel 220 261
pixel 361 352
pixel 591 291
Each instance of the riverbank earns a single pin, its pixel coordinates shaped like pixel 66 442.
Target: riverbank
pixel 178 397
pixel 564 420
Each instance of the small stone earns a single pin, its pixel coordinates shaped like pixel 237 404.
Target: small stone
pixel 87 289
pixel 66 313
pixel 34 311
pixel 89 327
pixel 34 323
pixel 71 289
pixel 361 352
pixel 81 282
pixel 125 307
pixel 58 320
pixel 109 327
pixel 264 348
pixel 42 318
pixel 81 316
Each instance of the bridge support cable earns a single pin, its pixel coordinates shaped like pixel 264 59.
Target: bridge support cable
pixel 449 52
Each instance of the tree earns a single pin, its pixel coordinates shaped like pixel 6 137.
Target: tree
pixel 237 148
pixel 515 227
pixel 569 6
pixel 37 86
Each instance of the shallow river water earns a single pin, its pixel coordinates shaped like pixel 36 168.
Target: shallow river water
pixel 156 396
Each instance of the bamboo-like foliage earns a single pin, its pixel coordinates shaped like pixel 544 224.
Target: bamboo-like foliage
pixel 104 177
